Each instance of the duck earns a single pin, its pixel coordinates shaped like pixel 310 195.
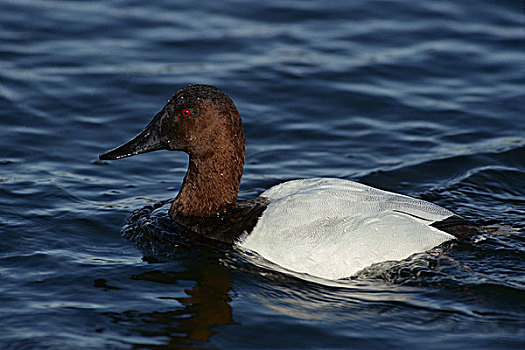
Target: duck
pixel 323 227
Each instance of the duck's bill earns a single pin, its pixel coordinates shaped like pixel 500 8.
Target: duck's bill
pixel 149 140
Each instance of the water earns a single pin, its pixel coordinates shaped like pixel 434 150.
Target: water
pixel 424 98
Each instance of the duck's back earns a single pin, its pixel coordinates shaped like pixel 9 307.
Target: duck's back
pixel 333 228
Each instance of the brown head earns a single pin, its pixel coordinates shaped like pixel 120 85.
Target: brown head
pixel 202 121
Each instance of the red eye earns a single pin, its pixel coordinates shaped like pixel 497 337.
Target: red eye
pixel 186 113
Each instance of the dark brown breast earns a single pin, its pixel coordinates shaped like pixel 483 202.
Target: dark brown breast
pixel 228 226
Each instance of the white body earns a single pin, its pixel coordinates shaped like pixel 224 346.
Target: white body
pixel 333 228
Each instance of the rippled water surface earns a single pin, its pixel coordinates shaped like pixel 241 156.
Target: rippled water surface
pixel 421 98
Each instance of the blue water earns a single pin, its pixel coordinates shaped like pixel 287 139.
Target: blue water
pixel 422 98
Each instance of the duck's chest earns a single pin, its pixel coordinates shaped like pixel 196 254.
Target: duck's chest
pixel 229 226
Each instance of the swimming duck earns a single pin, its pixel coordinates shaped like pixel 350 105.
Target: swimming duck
pixel 324 227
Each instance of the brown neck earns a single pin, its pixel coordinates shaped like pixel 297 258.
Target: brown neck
pixel 211 185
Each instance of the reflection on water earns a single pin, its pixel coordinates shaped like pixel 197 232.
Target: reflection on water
pixel 206 305
pixel 193 318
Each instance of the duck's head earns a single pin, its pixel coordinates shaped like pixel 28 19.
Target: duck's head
pixel 198 119
pixel 202 121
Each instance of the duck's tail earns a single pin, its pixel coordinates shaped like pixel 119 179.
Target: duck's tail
pixel 462 228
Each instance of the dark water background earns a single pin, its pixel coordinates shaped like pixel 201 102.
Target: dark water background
pixel 422 98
